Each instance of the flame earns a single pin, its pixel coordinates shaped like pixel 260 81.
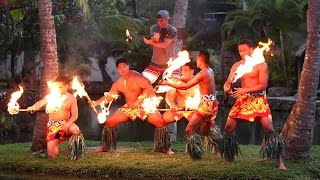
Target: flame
pixel 54 98
pixel 150 104
pixel 105 111
pixel 192 102
pixel 173 64
pixel 102 116
pixel 129 37
pixel 79 88
pixel 13 106
pixel 250 61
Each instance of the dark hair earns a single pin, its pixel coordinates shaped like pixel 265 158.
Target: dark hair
pixel 190 65
pixel 121 60
pixel 63 79
pixel 246 42
pixel 206 56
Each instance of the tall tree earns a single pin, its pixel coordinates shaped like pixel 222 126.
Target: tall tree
pixel 179 21
pixel 50 69
pixel 298 129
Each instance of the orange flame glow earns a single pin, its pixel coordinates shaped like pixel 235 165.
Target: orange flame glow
pixel 250 61
pixel 192 102
pixel 79 88
pixel 173 64
pixel 105 111
pixel 150 104
pixel 129 37
pixel 13 106
pixel 54 98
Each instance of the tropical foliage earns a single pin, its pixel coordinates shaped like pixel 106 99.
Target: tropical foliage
pixel 281 20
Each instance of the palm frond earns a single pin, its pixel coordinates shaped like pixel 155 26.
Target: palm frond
pixel 84 6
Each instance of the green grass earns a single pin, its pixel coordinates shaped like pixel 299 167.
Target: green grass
pixel 141 162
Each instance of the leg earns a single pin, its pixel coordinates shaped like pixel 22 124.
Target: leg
pixel 171 124
pixel 109 135
pixel 213 137
pixel 230 126
pixel 168 117
pixel 229 145
pixel 193 124
pixel 161 140
pixel 116 118
pixel 73 130
pixel 274 139
pixel 76 143
pixel 53 148
pixel 194 141
pixel 156 119
pixel 205 127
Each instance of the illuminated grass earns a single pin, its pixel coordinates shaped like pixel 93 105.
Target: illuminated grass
pixel 138 161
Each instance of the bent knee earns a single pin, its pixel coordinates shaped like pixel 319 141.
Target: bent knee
pixel 74 129
pixel 110 124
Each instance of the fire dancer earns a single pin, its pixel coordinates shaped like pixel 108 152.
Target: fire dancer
pixel 176 98
pixel 251 106
pixel 176 101
pixel 206 113
pixel 162 40
pixel 135 88
pixel 61 124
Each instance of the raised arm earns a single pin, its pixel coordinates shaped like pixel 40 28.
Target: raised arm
pixel 228 82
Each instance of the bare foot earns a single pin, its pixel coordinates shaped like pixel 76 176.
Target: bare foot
pixel 218 153
pixel 282 167
pixel 101 149
pixel 280 164
pixel 169 152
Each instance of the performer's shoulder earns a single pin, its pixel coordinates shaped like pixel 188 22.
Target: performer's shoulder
pixel 70 96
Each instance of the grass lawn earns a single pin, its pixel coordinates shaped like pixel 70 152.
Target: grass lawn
pixel 136 160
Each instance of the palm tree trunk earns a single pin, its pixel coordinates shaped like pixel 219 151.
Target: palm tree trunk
pixel 283 58
pixel 179 22
pixel 49 58
pixel 298 129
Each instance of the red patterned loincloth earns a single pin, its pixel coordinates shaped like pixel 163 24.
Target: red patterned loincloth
pixel 134 113
pixel 54 130
pixel 177 115
pixel 250 106
pixel 208 107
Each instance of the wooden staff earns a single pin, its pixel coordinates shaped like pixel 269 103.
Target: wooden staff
pixel 93 107
pixel 170 109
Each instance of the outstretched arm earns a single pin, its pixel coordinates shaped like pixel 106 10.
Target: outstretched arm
pixel 38 105
pixel 184 86
pixel 108 97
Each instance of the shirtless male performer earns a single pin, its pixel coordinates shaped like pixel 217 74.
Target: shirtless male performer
pixel 135 88
pixel 206 113
pixel 251 106
pixel 61 124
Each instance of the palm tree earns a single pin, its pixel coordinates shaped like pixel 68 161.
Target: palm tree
pixel 50 70
pixel 179 21
pixel 49 58
pixel 298 129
